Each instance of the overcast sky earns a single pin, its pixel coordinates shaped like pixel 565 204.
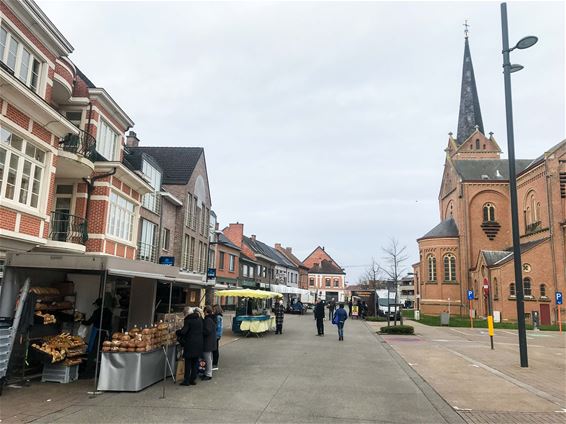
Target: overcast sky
pixel 323 123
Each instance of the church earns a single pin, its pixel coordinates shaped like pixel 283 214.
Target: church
pixel 473 240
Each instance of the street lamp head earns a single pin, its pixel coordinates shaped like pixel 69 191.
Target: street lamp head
pixel 526 42
pixel 515 68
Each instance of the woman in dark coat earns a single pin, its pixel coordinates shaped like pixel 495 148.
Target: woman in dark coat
pixel 209 340
pixel 192 336
pixel 279 310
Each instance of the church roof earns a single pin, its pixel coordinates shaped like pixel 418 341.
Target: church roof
pixel 446 228
pixel 499 257
pixel 470 114
pixel 488 169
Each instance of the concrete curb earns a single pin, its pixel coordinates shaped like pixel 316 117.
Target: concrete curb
pixel 448 413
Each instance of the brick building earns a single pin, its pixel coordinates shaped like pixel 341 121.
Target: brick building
pixel 325 276
pixel 473 241
pixel 303 271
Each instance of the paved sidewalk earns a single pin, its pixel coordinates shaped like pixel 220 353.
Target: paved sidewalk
pixel 487 385
pixel 295 377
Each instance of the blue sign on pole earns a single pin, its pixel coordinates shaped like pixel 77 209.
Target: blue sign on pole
pixel 470 295
pixel 559 298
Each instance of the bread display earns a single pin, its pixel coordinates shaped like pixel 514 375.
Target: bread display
pixel 142 339
pixel 46 318
pixel 62 346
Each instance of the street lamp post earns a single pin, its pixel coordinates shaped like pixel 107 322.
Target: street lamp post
pixel 508 69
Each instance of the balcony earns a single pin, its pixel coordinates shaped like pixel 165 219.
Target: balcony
pixel 66 228
pixel 147 252
pixel 76 155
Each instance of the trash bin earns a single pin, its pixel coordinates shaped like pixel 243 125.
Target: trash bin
pixel 417 315
pixel 444 318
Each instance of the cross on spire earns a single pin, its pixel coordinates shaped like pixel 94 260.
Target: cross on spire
pixel 466 26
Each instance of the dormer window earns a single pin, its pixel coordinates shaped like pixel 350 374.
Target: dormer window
pixel 19 59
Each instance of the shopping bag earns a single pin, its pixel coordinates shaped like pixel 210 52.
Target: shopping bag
pixel 82 331
pixel 180 369
pixel 335 319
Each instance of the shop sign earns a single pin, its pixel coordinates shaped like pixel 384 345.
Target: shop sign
pixel 211 274
pixel 167 260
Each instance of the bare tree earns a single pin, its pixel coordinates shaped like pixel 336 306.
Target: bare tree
pixel 394 258
pixel 373 274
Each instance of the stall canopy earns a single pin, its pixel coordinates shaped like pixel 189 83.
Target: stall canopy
pixel 279 288
pixel 253 294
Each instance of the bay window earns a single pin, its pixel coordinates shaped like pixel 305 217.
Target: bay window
pixel 106 141
pixel 21 169
pixel 19 59
pixel 121 217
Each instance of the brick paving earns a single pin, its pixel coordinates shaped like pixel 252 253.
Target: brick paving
pixel 488 417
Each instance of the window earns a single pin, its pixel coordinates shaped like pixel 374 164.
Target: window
pixel 477 144
pixel 21 169
pixel 336 282
pixel 495 289
pixel 221 260
pixel 232 263
pixel 75 118
pixel 542 289
pixel 192 247
pixel 165 238
pixel 185 258
pixel 146 250
pixel 431 268
pixel 150 201
pixel 251 272
pixel 327 282
pixel 264 272
pixel 488 213
pixel 527 287
pixel 121 217
pixel 449 267
pixel 18 58
pixel 106 141
pixel 311 282
pixel 245 270
pixel 512 291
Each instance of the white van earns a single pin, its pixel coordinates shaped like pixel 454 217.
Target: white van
pixel 386 304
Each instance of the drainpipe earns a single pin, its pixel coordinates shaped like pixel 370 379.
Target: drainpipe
pixel 90 188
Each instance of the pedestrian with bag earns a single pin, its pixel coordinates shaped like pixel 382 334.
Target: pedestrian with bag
pixel 191 338
pixel 319 316
pixel 219 328
pixel 279 311
pixel 340 317
pixel 209 341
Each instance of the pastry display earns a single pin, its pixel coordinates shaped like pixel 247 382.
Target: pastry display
pixel 62 346
pixel 46 318
pixel 142 339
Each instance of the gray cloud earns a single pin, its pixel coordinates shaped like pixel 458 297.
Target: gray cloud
pixel 323 123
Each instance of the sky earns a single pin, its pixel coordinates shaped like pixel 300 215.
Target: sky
pixel 323 123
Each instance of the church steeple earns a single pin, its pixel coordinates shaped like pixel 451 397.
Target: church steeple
pixel 470 114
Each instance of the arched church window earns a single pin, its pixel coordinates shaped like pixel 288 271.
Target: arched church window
pixel 478 144
pixel 488 212
pixel 431 268
pixel 449 267
pixel 527 287
pixel 542 290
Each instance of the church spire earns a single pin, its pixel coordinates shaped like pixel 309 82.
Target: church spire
pixel 470 114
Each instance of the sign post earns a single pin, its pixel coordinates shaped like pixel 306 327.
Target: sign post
pixel 489 310
pixel 558 306
pixel 471 299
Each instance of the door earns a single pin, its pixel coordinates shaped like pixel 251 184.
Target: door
pixel 61 220
pixel 544 314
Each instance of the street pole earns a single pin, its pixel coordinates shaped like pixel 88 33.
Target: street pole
pixel 513 192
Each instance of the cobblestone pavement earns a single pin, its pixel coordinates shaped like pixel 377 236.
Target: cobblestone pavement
pixel 484 385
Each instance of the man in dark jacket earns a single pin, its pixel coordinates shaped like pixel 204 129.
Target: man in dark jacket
pixel 192 336
pixel 331 308
pixel 319 316
pixel 341 317
pixel 279 310
pixel 209 340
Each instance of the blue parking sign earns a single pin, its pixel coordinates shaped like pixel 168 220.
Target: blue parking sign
pixel 470 295
pixel 559 298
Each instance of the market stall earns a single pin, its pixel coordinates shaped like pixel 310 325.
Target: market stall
pixel 245 322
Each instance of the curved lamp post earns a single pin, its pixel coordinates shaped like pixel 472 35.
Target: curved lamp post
pixel 508 69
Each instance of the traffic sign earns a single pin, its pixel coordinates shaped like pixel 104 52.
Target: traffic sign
pixel 559 298
pixel 470 295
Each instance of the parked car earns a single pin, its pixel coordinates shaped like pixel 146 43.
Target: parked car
pixel 298 308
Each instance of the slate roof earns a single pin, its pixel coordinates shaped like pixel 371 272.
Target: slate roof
pixel 178 163
pixel 222 239
pixel 134 157
pixel 494 169
pixel 499 257
pixel 543 156
pixel 246 258
pixel 326 267
pixel 446 228
pixel 261 248
pixel 296 261
pixel 470 114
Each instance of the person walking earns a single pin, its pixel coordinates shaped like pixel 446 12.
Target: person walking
pixel 191 339
pixel 340 318
pixel 319 316
pixel 219 328
pixel 350 307
pixel 279 316
pixel 331 308
pixel 209 341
